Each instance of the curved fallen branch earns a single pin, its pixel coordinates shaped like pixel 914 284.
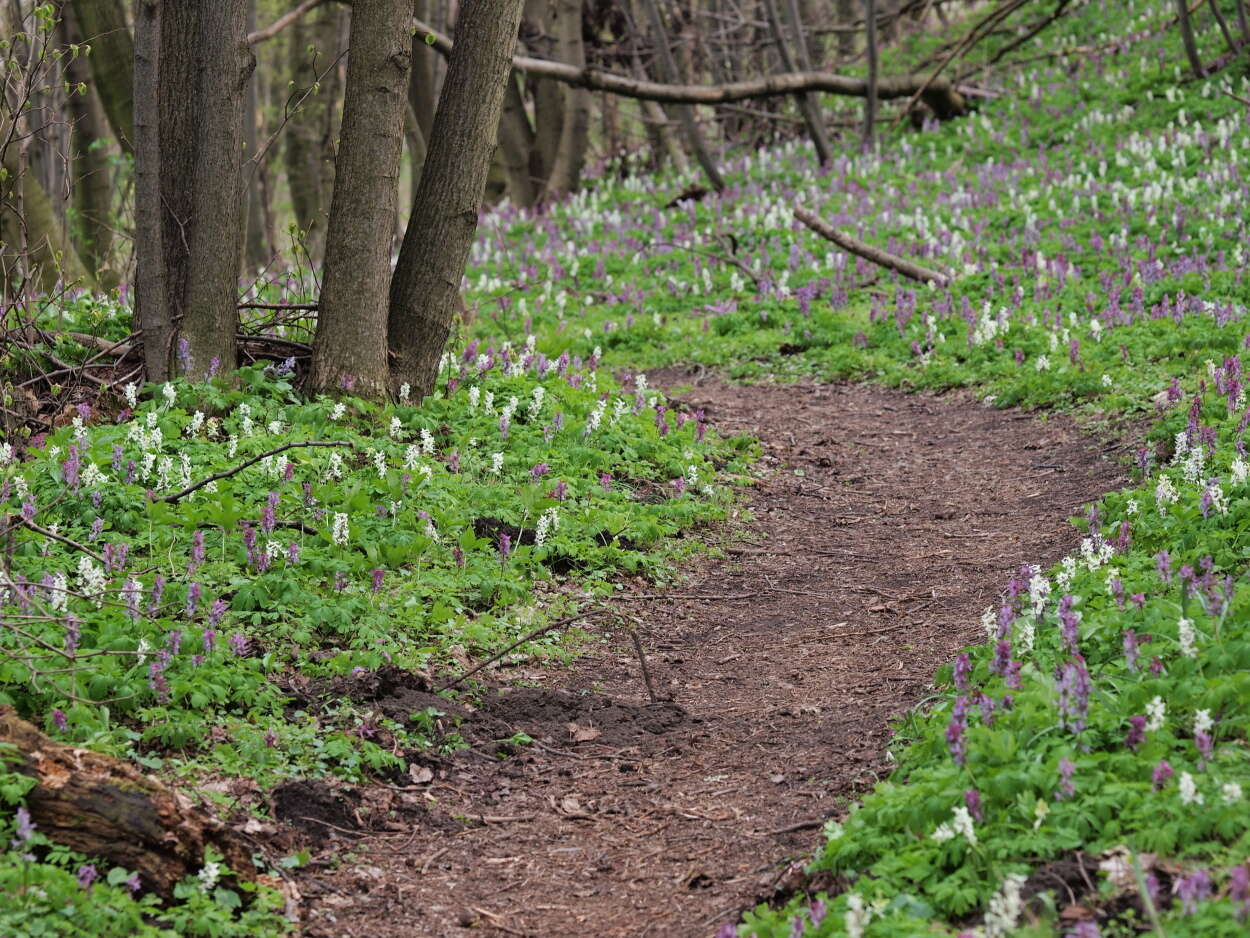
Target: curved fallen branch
pixel 869 253
pixel 183 493
pixel 939 94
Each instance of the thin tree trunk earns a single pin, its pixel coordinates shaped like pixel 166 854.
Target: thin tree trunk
pixel 1243 22
pixel 1187 38
pixel 516 141
pixel 256 252
pixel 870 99
pixel 1223 24
pixel 425 290
pixel 566 168
pixel 807 104
pixel 846 39
pixel 349 350
pixel 92 191
pixel 549 98
pixel 192 68
pixel 32 232
pixel 103 25
pixel 694 139
pixel 423 86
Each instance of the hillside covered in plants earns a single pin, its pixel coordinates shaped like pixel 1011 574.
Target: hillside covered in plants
pixel 266 591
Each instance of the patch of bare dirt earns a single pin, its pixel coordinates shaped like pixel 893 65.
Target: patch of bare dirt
pixel 883 525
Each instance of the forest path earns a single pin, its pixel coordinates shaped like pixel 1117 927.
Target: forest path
pixel 884 524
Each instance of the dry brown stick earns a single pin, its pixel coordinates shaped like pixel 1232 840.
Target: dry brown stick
pixel 869 253
pixel 57 537
pixel 282 22
pixel 642 660
pixel 517 644
pixel 183 493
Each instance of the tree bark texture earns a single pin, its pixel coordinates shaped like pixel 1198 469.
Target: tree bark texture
pixel 192 67
pixel 570 153
pixel 350 345
pixel 105 808
pixel 28 218
pixel 426 286
pixel 939 93
pixel 103 26
pixel 91 190
pixel 808 106
pixel 256 251
pixel 873 90
pixel 516 141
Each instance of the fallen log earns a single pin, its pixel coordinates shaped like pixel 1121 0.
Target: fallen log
pixel 940 95
pixel 103 807
pixel 869 253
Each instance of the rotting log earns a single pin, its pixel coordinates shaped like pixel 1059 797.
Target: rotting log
pixel 869 253
pixel 106 808
pixel 942 97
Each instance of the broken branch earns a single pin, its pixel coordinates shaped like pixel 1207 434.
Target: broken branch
pixel 869 253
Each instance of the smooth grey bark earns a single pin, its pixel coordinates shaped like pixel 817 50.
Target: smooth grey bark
pixel 349 350
pixel 192 64
pixel 425 290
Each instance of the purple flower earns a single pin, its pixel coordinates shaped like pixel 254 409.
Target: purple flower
pixel 505 545
pixel 1085 929
pixel 955 730
pixel 1136 732
pixel 561 490
pixel 1194 888
pixel 1163 564
pixel 1130 649
pixel 377 575
pixel 87 875
pixel 1206 747
pixel 1239 888
pixel 539 471
pixel 70 468
pixel 1162 772
pixel 605 481
pixel 972 798
pixel 134 884
pixel 193 598
pixel 292 553
pixel 59 719
pixel 73 632
pixel 963 671
pixel 1002 657
pixel 158 591
pixel 25 830
pixel 240 644
pixel 1074 687
pixel 269 514
pixel 209 640
pixel 1067 768
pixel 216 612
pixel 1069 621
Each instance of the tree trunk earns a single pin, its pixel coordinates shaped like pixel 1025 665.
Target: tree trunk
pixel 28 219
pixel 548 96
pixel 1187 38
pixel 1243 22
pixel 103 26
pixel 516 141
pixel 566 167
pixel 308 151
pixel 105 808
pixel 423 86
pixel 256 251
pixel 426 287
pixel 807 103
pixel 349 350
pixel 192 66
pixel 846 39
pixel 1223 24
pixel 91 189
pixel 870 99
pixel 694 139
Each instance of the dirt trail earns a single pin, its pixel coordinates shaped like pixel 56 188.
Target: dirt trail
pixel 884 525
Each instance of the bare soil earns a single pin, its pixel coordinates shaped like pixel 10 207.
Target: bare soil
pixel 884 524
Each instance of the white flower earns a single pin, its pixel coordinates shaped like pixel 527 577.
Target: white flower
pixel 960 823
pixel 1203 722
pixel 1039 592
pixel 274 427
pixel 412 456
pixel 405 392
pixel 197 421
pixel 496 463
pixel 1106 381
pixel 1189 790
pixel 595 417
pixel 1230 792
pixel 1165 493
pixel 536 405
pixel 59 600
pixel 232 446
pixel 170 395
pixel 549 520
pixel 92 476
pixel 397 427
pixel 339 531
pixel 1239 471
pixel 274 550
pixel 132 396
pixel 209 875
pixel 1042 363
pixel 989 622
pixel 1185 637
pixel 1155 711
pixel 6 454
pixel 338 410
pixel 1219 504
pixel 1005 907
pixel 427 440
pixel 379 461
pixel 857 916
pixel 336 465
pixel 1131 507
pixel 475 395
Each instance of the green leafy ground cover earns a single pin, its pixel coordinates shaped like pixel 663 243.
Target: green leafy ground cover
pixel 1095 216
